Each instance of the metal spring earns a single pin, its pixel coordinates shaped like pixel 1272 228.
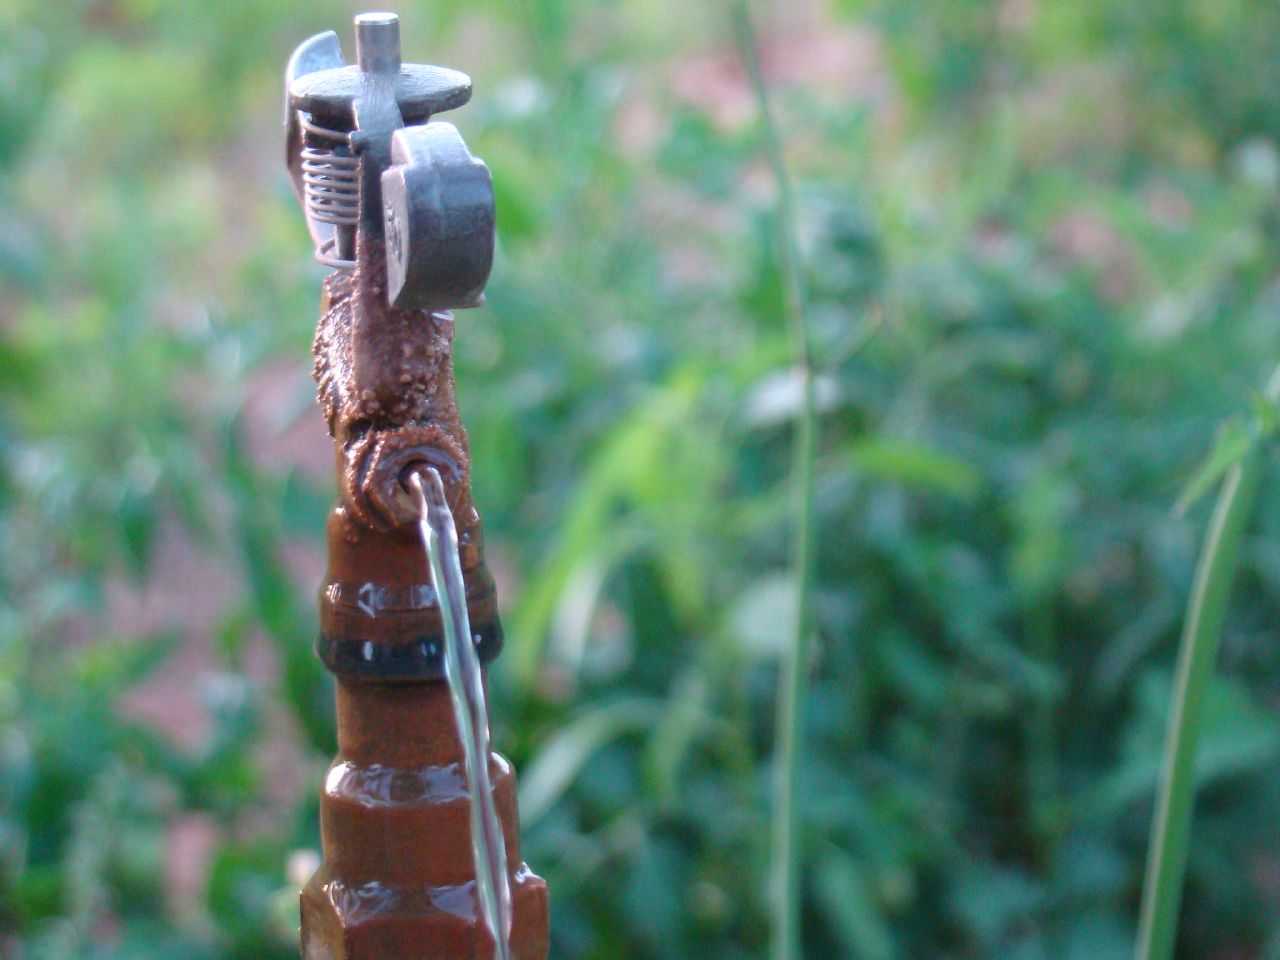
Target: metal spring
pixel 332 186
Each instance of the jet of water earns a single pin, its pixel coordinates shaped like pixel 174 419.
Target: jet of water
pixel 466 687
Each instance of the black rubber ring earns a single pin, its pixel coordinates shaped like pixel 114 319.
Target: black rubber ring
pixel 422 659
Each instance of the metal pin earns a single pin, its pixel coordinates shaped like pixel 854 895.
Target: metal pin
pixel 378 42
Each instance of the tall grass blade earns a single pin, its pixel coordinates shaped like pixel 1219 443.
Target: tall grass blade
pixel 1171 828
pixel 784 872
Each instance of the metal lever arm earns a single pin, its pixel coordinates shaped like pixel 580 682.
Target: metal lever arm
pixel 439 217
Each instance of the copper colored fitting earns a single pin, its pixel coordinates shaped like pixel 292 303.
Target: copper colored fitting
pixel 398 876
pixel 398 879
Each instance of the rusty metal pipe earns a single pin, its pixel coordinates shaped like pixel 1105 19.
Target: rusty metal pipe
pixel 397 880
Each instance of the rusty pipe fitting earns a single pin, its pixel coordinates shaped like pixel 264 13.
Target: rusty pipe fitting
pixel 385 382
pixel 402 212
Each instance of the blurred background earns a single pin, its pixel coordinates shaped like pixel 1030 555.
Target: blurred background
pixel 1041 242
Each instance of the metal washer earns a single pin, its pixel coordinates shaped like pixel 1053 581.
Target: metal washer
pixel 422 90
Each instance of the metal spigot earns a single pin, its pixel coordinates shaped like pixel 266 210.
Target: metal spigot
pixel 374 172
pixel 404 214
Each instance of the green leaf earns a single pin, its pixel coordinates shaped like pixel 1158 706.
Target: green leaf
pixel 562 758
pixel 114 664
pixel 683 721
pixel 856 917
pixel 306 684
pixel 638 448
pixel 1238 737
pixel 1231 447
pixel 916 466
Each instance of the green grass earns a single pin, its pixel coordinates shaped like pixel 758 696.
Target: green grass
pixel 785 869
pixel 1171 830
pixel 1034 249
pixel 1197 656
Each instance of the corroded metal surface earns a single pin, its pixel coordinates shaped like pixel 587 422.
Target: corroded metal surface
pixel 385 381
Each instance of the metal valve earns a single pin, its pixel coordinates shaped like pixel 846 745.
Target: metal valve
pixel 374 172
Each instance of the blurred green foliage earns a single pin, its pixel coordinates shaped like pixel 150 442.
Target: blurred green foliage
pixel 1041 242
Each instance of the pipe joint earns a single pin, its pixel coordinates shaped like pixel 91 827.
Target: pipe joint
pixel 379 465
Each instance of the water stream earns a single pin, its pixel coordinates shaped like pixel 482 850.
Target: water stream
pixel 466 687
